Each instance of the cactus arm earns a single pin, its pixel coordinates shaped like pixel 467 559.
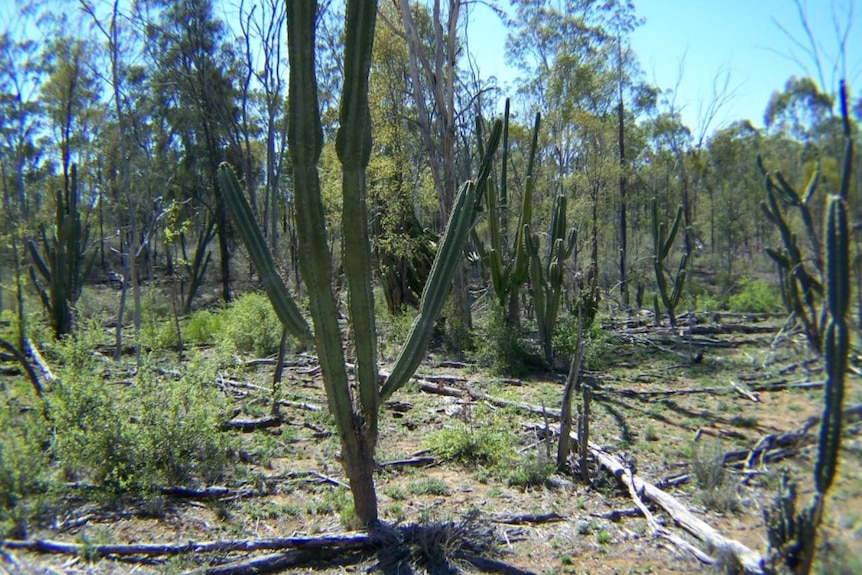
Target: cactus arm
pixel 446 261
pixel 504 169
pixel 836 344
pixel 353 145
pixel 812 184
pixel 671 236
pixel 435 292
pixel 255 244
pixel 38 261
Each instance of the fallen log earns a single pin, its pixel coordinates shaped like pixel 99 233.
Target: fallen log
pixel 262 564
pixel 341 541
pixel 751 561
pixel 252 423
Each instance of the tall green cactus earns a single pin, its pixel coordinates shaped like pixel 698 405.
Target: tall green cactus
pixel 546 277
pixel 64 262
pixel 355 416
pixel 801 287
pixel 792 534
pixel 508 274
pixel 663 241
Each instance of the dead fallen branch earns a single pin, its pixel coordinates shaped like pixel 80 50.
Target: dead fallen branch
pixel 261 564
pixel 252 423
pixel 532 518
pixel 214 492
pixel 341 541
pixel 412 462
pixel 751 561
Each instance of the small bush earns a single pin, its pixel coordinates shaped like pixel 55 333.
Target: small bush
pixel 756 296
pixel 531 471
pixel 502 348
pixel 428 486
pixel 715 490
pixel 250 325
pixel 473 445
pixel 132 441
pixel 23 472
pixel 203 327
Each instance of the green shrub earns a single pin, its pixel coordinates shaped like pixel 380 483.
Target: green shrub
pixel 530 471
pixel 472 445
pixel 134 440
pixel 755 296
pixel 203 327
pixel 715 489
pixel 250 325
pixel 502 348
pixel 157 326
pixel 23 471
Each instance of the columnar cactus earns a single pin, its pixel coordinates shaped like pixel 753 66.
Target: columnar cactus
pixel 508 274
pixel 546 277
pixel 800 286
pixel 64 262
pixel 662 243
pixel 792 534
pixel 355 416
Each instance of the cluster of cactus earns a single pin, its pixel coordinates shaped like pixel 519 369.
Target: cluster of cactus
pixel 663 240
pixel 546 274
pixel 508 274
pixel 792 535
pixel 800 286
pixel 64 262
pixel 355 412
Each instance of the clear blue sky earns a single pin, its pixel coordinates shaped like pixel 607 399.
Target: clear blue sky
pixel 686 44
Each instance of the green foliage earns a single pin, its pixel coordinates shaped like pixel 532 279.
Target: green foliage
pixel 501 347
pixel 204 327
pixel 250 325
pixel 483 444
pixel 134 440
pixel 754 296
pixel 530 471
pixel 715 489
pixel 24 472
pixel 428 486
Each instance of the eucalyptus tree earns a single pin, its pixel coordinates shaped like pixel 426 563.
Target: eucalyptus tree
pixel 263 27
pixel 20 122
pixel 401 192
pixel 194 84
pixel 432 37
pixel 735 188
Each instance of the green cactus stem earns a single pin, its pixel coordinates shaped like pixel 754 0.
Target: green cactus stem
pixel 546 275
pixel 663 241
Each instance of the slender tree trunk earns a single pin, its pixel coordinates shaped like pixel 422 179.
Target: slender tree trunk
pixel 624 285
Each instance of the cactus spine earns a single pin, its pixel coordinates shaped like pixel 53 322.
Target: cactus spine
pixel 355 417
pixel 64 262
pixel 546 277
pixel 662 243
